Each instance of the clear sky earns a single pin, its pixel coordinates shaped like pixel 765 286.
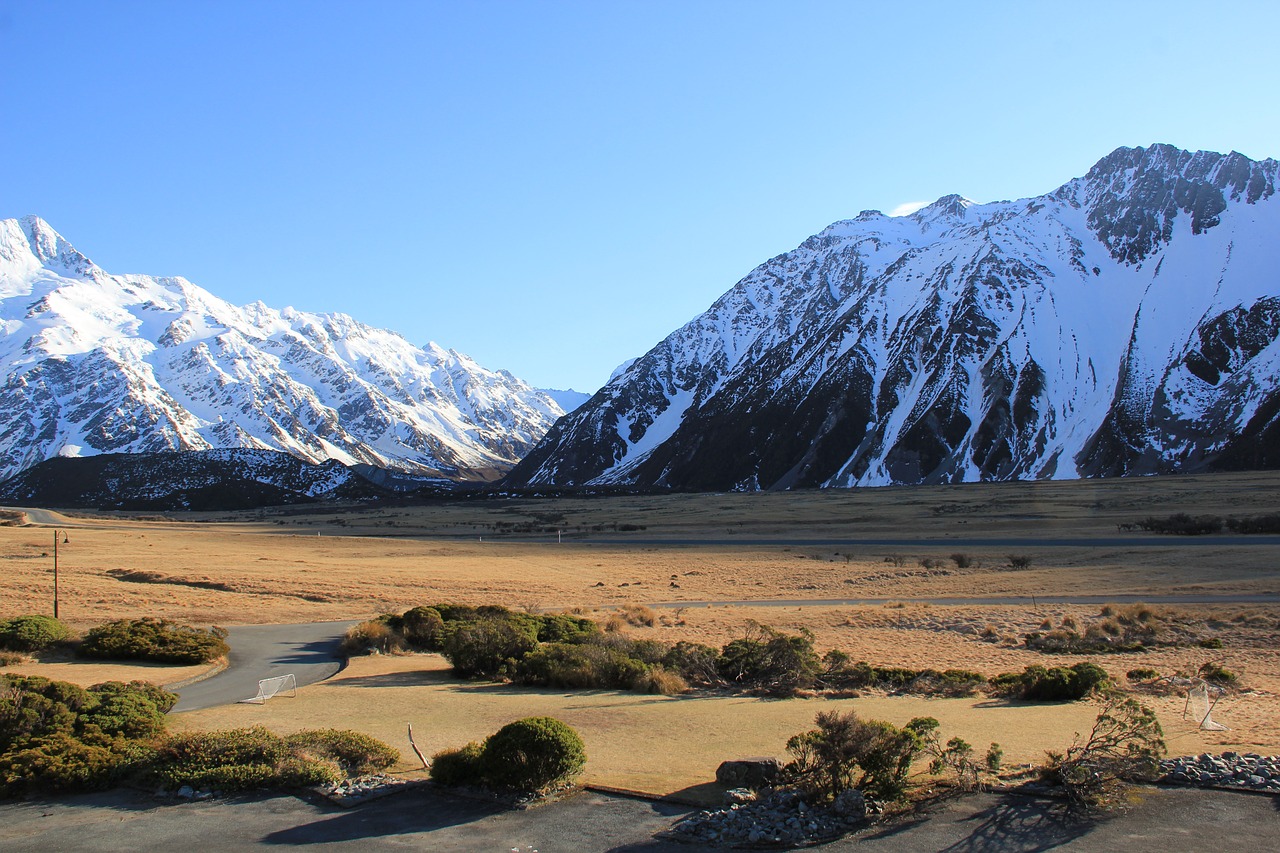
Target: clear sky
pixel 552 187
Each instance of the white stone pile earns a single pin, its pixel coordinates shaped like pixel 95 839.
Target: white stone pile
pixel 1249 771
pixel 775 818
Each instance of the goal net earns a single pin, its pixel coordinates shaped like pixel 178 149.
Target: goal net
pixel 269 688
pixel 1200 706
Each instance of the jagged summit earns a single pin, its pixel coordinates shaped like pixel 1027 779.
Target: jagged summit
pixel 96 363
pixel 949 205
pixel 1125 322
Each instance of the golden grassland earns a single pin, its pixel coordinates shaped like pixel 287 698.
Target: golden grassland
pixel 329 563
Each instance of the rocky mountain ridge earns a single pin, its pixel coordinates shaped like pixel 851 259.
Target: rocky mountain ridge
pixel 1124 323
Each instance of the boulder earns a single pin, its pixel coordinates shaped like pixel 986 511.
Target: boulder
pixel 755 773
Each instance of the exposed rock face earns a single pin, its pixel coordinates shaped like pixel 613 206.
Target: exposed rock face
pixel 1124 323
pixel 97 363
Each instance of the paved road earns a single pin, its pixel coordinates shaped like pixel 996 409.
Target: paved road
pixel 1031 540
pixel 309 651
pixel 1190 598
pixel 1159 820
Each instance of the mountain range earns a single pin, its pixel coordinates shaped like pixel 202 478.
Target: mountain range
pixel 94 363
pixel 1124 323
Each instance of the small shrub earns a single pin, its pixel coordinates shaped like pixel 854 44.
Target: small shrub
pixel 770 661
pixel 1210 643
pixel 962 561
pixel 661 681
pixel 32 633
pixel 1019 561
pixel 638 616
pixel 1217 673
pixel 994 758
pixel 455 767
pixel 694 662
pixel 354 752
pixel 845 751
pixel 565 628
pixel 153 640
pixel 956 757
pixel 373 636
pixel 8 658
pixel 532 754
pixel 1142 674
pixel 490 646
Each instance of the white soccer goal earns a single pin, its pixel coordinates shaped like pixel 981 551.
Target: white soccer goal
pixel 1200 708
pixel 269 688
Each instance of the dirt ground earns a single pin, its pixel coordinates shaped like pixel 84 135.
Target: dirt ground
pixel 693 561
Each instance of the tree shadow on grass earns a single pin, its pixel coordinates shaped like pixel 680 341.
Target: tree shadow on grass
pixel 410 813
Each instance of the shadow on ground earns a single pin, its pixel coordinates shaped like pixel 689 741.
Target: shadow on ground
pixel 400 815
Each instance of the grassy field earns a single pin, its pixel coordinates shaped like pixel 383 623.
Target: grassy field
pixel 695 561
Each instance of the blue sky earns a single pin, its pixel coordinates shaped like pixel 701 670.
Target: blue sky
pixel 552 187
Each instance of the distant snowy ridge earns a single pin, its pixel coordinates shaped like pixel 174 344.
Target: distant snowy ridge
pixel 98 363
pixel 1124 323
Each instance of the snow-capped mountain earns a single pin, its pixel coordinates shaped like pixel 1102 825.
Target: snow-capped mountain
pixel 1124 323
pixel 97 363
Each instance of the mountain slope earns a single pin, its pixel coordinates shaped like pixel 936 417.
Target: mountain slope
pixel 195 480
pixel 97 363
pixel 1124 323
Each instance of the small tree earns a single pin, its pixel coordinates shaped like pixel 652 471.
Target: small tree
pixel 1126 744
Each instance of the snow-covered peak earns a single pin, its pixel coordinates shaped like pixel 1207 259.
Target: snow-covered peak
pixel 1126 322
pixel 94 362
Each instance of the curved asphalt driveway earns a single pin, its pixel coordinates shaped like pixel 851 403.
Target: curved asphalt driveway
pixel 309 651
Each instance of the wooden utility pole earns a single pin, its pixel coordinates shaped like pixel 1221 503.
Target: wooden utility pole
pixel 55 574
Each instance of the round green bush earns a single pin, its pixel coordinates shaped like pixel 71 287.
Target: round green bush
pixel 532 754
pixel 423 628
pixel 32 633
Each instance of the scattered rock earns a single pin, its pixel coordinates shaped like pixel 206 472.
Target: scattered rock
pixel 776 818
pixel 362 789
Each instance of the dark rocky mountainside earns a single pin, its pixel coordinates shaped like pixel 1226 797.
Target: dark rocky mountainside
pixel 212 480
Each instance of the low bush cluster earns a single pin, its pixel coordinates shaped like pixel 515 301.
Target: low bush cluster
pixel 526 756
pixel 840 673
pixel 1055 684
pixel 56 736
pixel 244 759
pixel 32 633
pixel 1117 629
pixel 562 650
pixel 1183 524
pixel 153 639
